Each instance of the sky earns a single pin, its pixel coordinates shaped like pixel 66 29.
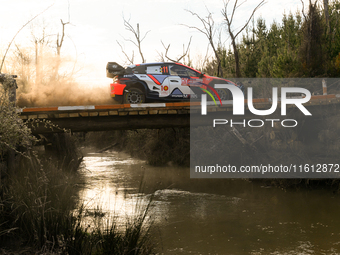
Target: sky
pixel 95 26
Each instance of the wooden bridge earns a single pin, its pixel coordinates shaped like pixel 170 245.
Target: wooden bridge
pixel 153 115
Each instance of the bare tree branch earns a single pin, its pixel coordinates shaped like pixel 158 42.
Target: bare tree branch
pixel 303 9
pixel 137 35
pixel 234 9
pixel 229 22
pixel 231 32
pixel 161 56
pixel 201 63
pixel 60 43
pixel 166 52
pixel 251 16
pixel 209 31
pixel 9 45
pixel 186 52
pixel 182 56
pixel 127 57
pixel 40 40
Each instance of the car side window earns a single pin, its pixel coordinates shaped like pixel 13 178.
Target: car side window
pixel 182 71
pixel 153 70
pixel 178 70
pixel 192 73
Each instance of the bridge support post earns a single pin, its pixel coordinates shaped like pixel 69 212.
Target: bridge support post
pixel 324 87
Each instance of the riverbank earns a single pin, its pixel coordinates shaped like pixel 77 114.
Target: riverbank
pixel 41 211
pixel 157 146
pixel 40 206
pixel 172 147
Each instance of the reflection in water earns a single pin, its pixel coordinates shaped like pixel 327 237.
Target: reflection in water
pixel 109 187
pixel 209 216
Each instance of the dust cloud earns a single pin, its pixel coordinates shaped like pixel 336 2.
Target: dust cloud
pixel 65 93
pixel 47 79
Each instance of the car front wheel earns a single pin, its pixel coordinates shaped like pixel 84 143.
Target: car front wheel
pixel 134 96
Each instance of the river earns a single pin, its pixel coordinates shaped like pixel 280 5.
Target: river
pixel 213 216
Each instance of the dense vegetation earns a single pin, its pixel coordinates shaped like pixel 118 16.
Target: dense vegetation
pixel 40 211
pixel 301 45
pixel 13 132
pixel 38 205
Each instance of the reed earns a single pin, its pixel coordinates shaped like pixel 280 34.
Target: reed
pixel 39 214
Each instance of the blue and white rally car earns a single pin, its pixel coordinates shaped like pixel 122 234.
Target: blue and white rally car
pixel 165 81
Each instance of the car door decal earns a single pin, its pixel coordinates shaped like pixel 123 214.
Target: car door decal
pixel 176 93
pixel 158 78
pixel 164 88
pixel 154 79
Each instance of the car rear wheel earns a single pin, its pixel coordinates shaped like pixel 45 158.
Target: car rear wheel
pixel 134 96
pixel 223 94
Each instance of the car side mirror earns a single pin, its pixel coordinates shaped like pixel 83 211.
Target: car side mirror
pixel 202 75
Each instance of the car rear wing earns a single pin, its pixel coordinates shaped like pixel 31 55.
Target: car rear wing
pixel 113 69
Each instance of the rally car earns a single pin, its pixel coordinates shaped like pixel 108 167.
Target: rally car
pixel 165 81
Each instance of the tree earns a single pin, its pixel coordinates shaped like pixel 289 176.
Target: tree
pixel 311 48
pixel 9 45
pixel 59 43
pixel 137 42
pixel 326 12
pixel 13 132
pixel 41 41
pixel 209 31
pixel 185 52
pixel 233 35
pixel 254 47
pixel 23 59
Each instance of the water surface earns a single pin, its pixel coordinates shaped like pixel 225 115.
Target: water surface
pixel 213 216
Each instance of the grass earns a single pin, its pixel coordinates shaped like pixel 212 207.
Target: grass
pixel 38 215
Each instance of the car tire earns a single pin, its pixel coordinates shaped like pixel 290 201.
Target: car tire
pixel 134 96
pixel 118 99
pixel 223 93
